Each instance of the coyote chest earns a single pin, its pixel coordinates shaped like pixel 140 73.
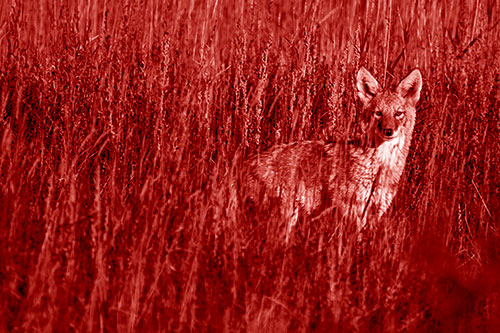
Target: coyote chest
pixel 375 178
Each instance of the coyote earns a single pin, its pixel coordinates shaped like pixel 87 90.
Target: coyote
pixel 355 179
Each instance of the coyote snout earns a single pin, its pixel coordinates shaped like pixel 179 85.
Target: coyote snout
pixel 388 125
pixel 356 179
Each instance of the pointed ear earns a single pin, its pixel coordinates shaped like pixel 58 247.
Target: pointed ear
pixel 409 87
pixel 367 86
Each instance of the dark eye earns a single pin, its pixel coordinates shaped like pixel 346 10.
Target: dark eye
pixel 378 113
pixel 398 114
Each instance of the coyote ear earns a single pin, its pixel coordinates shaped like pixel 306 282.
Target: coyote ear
pixel 409 87
pixel 367 86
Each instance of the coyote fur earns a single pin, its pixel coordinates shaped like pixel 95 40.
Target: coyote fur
pixel 355 179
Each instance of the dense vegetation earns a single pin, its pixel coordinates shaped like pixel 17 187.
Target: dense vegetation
pixel 120 121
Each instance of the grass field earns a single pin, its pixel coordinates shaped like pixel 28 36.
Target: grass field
pixel 120 121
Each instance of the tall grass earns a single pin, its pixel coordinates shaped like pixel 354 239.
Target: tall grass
pixel 120 123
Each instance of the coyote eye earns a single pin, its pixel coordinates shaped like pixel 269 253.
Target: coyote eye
pixel 398 114
pixel 378 114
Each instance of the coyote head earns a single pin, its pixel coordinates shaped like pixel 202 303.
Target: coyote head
pixel 388 113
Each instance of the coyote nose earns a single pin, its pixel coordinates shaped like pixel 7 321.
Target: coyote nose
pixel 388 131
